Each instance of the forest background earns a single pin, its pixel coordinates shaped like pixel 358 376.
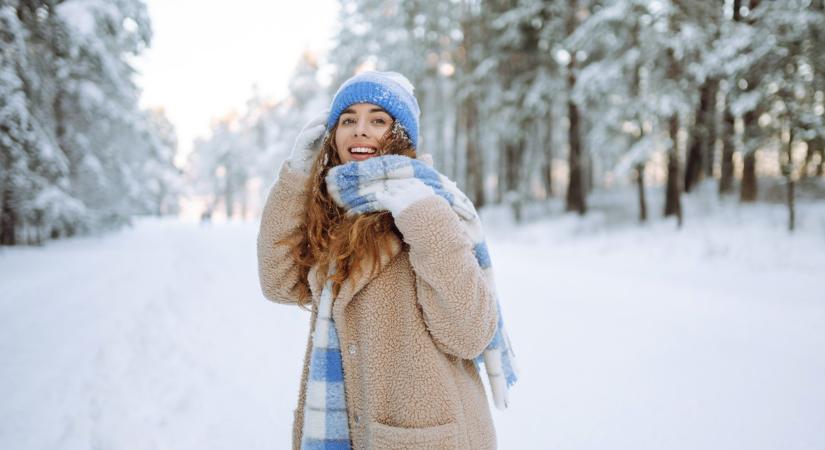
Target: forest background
pixel 529 104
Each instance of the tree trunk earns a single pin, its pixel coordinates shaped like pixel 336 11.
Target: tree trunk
pixel 513 154
pixel 693 163
pixel 575 200
pixel 810 152
pixel 475 175
pixel 729 130
pixel 440 148
pixel 816 146
pixel 547 163
pixel 673 204
pixel 711 121
pixel 8 216
pixel 455 149
pixel 510 168
pixel 547 168
pixel 591 173
pixel 575 189
pixel 786 163
pixel 726 176
pixel 700 151
pixel 501 185
pixel 588 173
pixel 791 205
pixel 748 188
pixel 640 183
pixel 737 10
pixel 747 192
pixel 229 194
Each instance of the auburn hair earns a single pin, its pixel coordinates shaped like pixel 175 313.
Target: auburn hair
pixel 328 235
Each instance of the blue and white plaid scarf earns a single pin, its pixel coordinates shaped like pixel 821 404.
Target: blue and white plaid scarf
pixel 354 185
pixel 325 409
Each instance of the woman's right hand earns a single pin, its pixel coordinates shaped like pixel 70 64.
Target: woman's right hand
pixel 302 151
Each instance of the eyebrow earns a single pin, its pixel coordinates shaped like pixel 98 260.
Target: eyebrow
pixel 373 110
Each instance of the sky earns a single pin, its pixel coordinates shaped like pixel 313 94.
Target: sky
pixel 207 55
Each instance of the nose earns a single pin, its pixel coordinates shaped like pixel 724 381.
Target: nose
pixel 361 128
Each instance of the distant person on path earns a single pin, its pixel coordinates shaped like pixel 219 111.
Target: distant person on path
pixel 391 259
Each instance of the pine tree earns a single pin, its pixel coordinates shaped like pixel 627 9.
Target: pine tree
pixel 75 145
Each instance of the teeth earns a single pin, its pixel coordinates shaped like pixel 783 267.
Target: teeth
pixel 362 150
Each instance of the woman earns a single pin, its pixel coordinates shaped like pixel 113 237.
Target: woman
pixel 378 243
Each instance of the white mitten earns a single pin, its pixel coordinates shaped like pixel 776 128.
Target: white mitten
pixel 302 152
pixel 397 195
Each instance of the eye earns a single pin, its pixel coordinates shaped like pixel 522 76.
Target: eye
pixel 347 121
pixel 381 119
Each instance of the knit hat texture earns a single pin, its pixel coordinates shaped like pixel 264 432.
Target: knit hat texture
pixel 389 90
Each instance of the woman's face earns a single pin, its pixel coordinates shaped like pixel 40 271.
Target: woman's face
pixel 360 128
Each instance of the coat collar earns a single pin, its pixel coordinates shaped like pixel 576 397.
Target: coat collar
pixel 350 287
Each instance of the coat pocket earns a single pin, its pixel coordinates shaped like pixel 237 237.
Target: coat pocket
pixel 439 437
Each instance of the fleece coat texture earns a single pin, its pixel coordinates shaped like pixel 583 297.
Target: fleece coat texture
pixel 408 333
pixel 362 187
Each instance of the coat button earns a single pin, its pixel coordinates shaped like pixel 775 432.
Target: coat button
pixel 357 419
pixel 351 349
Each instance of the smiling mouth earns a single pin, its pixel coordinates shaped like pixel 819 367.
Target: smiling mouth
pixel 362 150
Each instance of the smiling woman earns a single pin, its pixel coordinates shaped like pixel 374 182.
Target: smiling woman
pixel 383 249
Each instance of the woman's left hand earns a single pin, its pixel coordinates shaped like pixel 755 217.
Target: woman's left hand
pixel 396 195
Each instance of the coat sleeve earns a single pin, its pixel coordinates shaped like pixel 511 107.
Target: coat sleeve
pixel 458 306
pixel 283 214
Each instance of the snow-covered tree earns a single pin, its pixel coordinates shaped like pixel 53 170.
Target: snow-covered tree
pixel 635 84
pixel 625 79
pixel 78 154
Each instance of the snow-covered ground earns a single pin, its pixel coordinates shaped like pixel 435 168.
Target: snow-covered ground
pixel 628 337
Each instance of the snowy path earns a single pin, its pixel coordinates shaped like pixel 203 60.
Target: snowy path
pixel 639 338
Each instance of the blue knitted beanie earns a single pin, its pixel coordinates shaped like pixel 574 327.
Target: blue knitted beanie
pixel 389 90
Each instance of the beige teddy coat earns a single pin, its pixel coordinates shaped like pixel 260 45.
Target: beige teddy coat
pixel 408 334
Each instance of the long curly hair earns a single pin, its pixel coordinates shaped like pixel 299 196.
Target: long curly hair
pixel 328 235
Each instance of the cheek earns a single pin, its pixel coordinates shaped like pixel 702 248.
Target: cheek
pixel 385 128
pixel 344 156
pixel 341 149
